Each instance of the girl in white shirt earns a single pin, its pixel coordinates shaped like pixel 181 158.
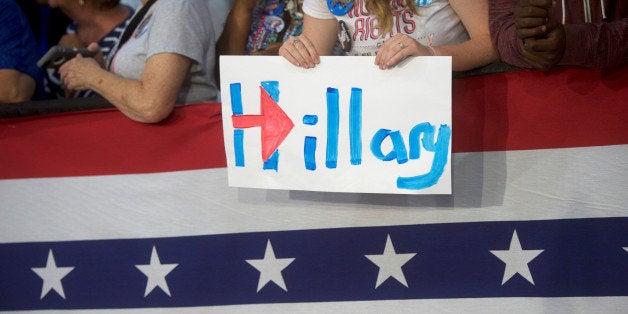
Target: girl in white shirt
pixel 393 30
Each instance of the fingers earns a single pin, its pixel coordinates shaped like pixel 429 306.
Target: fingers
pixel 534 18
pixel 530 12
pixel 63 73
pixel 554 42
pixel 552 24
pixel 396 49
pixel 537 3
pixel 390 54
pixel 96 53
pixel 543 54
pixel 533 32
pixel 543 29
pixel 386 51
pixel 93 47
pixel 542 3
pixel 539 45
pixel 68 73
pixel 300 51
pixel 540 61
pixel 64 68
pixel 530 22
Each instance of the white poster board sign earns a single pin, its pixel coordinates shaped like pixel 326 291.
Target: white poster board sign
pixel 343 126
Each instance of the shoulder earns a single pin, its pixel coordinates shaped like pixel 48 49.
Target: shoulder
pixel 8 6
pixel 179 6
pixel 317 9
pixel 15 26
pixel 439 4
pixel 180 11
pixel 10 14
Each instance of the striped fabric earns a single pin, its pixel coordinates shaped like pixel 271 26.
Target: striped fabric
pixel 102 214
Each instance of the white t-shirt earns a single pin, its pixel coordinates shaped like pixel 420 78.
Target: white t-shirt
pixel 435 24
pixel 174 26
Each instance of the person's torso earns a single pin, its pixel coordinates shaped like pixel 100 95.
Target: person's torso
pixel 165 30
pixel 106 44
pixel 590 11
pixel 435 24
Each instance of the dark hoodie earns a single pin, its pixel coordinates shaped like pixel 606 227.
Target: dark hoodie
pixel 596 32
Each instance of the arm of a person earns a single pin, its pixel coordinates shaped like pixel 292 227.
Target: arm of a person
pixel 149 99
pixel 596 45
pixel 16 86
pixel 322 33
pixel 237 27
pixel 478 50
pixel 503 32
pixel 540 37
pixel 317 39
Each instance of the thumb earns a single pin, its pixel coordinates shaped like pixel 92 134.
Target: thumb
pixel 93 48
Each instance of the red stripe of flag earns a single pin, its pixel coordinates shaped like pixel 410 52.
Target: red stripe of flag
pixel 106 142
pixel 531 110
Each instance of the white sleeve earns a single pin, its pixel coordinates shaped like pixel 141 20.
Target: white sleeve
pixel 317 9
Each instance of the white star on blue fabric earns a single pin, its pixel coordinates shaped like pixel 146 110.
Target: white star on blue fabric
pixel 270 268
pixel 626 249
pixel 156 273
pixel 516 259
pixel 52 275
pixel 390 264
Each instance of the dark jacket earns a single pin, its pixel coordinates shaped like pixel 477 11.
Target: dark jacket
pixel 596 32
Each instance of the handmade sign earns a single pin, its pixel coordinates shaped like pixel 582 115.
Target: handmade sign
pixel 343 126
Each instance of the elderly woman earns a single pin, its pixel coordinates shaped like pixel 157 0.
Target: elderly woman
pixel 168 59
pixel 99 21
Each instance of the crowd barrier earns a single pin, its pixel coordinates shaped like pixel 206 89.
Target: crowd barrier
pixel 569 107
pixel 90 201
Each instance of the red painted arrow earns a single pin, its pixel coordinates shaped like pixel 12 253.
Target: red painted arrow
pixel 275 124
